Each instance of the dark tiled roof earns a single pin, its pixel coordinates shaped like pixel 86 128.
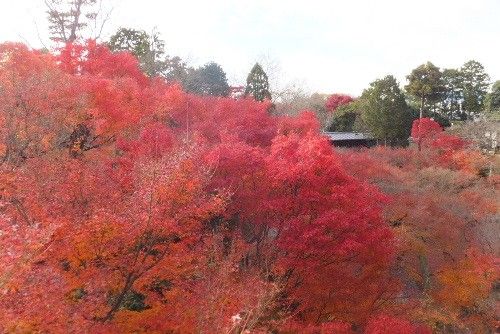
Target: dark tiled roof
pixel 336 136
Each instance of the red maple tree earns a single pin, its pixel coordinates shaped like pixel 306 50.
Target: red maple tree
pixel 336 100
pixel 128 205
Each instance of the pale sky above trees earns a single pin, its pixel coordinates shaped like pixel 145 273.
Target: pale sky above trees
pixel 331 46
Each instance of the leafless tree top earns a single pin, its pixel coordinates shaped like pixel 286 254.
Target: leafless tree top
pixel 70 20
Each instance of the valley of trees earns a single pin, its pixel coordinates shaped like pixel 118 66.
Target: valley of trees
pixel 139 195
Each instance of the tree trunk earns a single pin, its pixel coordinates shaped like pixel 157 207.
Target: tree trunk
pixel 425 272
pixel 420 124
pixel 121 297
pixel 77 12
pixel 422 101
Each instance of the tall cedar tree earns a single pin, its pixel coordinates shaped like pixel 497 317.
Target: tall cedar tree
pixel 452 96
pixel 258 84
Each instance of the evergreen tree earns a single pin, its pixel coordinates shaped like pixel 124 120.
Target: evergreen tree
pixel 452 96
pixel 209 79
pixel 385 112
pixel 258 84
pixel 475 85
pixel 493 98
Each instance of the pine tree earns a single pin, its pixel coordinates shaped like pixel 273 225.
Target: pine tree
pixel 258 84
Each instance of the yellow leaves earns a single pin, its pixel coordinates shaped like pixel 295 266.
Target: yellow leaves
pixel 467 283
pixel 21 327
pixel 91 244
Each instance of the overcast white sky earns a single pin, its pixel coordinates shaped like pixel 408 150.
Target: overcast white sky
pixel 329 45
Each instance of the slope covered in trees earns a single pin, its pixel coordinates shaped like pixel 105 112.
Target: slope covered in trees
pixel 130 206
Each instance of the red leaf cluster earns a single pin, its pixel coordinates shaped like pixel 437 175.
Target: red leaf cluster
pixel 128 205
pixel 336 100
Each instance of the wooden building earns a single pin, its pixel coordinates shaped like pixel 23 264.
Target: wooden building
pixel 351 139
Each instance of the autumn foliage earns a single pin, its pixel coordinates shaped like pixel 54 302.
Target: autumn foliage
pixel 424 130
pixel 130 206
pixel 336 100
pixel 443 215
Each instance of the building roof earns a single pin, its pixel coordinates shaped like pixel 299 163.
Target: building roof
pixel 337 136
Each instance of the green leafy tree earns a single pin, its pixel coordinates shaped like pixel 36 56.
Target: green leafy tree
pixel 453 94
pixel 134 41
pixel 258 84
pixel 385 112
pixel 439 117
pixel 425 83
pixel 209 79
pixel 347 118
pixel 475 86
pixel 493 98
pixel 176 70
pixel 150 51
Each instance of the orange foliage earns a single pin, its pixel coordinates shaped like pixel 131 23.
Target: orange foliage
pixel 130 206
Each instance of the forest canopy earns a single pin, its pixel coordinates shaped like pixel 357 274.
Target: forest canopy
pixel 128 205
